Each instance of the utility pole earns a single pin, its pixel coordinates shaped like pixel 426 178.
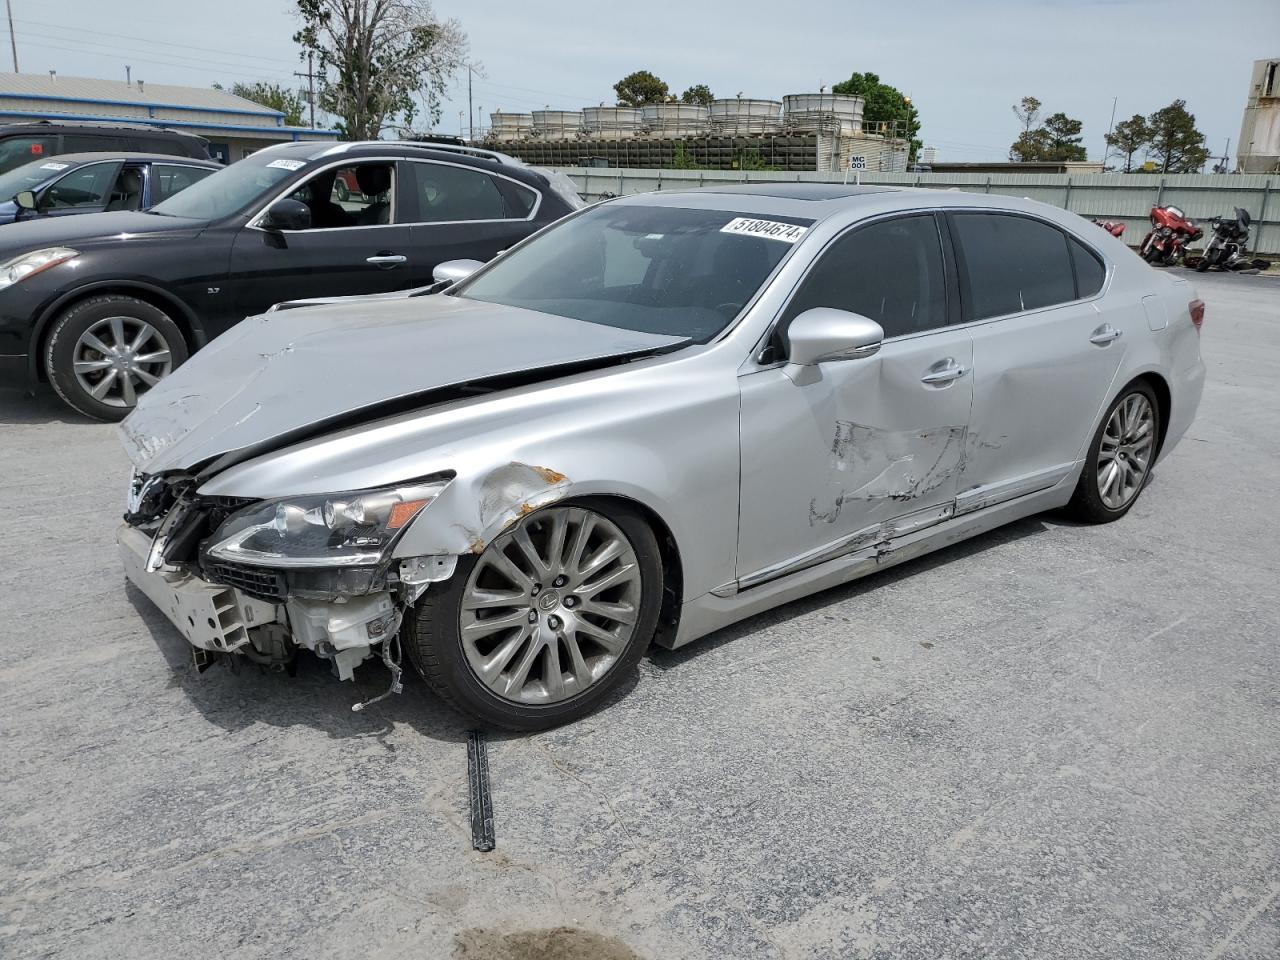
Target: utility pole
pixel 1110 126
pixel 471 130
pixel 311 88
pixel 128 75
pixel 13 41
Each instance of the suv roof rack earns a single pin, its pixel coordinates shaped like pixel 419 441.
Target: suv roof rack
pixel 503 158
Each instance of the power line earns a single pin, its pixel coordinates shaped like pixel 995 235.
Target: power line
pixel 166 63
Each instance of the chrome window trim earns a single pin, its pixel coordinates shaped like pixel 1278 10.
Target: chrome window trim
pixel 255 221
pixel 754 362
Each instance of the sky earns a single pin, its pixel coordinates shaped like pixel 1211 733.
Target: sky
pixel 964 63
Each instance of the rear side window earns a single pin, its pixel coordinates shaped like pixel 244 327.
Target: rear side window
pixel 446 194
pixel 90 143
pixel 15 151
pixel 517 199
pixel 890 271
pixel 168 179
pixel 1011 264
pixel 1089 269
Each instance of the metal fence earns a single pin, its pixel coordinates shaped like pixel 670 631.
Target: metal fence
pixel 1124 197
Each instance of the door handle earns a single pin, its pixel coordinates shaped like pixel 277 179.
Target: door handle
pixel 387 260
pixel 1105 334
pixel 944 371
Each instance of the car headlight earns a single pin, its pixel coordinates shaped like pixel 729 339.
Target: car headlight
pixel 29 264
pixel 337 530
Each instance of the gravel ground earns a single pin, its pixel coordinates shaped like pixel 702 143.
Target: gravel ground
pixel 1053 741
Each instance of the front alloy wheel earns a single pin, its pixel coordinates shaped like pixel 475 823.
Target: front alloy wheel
pixel 551 615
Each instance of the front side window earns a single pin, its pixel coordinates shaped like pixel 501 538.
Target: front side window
pixel 359 195
pixel 1011 264
pixel 29 176
pixel 447 194
pixel 890 271
pixel 168 179
pixel 664 270
pixel 87 187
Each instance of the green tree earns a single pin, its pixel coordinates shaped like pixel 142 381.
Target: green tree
pixel 884 105
pixel 1029 146
pixel 1176 145
pixel 292 103
pixel 1027 110
pixel 639 88
pixel 378 58
pixel 1129 137
pixel 698 93
pixel 1062 139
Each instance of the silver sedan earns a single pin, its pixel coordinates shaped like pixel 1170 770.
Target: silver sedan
pixel 658 416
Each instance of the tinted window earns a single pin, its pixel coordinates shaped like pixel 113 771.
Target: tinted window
pixel 518 200
pixel 90 143
pixel 655 269
pixel 87 187
pixel 1089 270
pixel 15 151
pixel 889 271
pixel 166 180
pixel 446 193
pixel 1012 264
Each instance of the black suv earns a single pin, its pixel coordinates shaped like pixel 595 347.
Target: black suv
pixel 23 142
pixel 103 306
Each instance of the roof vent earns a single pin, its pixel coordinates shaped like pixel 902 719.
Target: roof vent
pixel 139 86
pixel 53 74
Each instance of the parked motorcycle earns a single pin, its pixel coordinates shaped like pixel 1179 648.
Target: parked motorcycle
pixel 1228 245
pixel 1171 232
pixel 1113 227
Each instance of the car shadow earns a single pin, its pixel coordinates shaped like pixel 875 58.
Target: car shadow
pixel 235 694
pixel 664 659
pixel 20 407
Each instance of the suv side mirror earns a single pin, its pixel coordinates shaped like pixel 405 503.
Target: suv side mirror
pixel 452 271
pixel 26 200
pixel 825 333
pixel 288 214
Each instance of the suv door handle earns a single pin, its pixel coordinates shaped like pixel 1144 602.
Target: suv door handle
pixel 1105 334
pixel 944 371
pixel 387 260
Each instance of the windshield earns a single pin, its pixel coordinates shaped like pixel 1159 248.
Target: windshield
pixel 230 190
pixel 664 270
pixel 29 176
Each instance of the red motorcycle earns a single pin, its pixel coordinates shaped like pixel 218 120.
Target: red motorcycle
pixel 1171 233
pixel 1113 227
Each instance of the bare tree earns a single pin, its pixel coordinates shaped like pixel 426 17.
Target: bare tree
pixel 379 58
pixel 1028 112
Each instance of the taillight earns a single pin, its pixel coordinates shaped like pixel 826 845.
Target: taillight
pixel 1197 313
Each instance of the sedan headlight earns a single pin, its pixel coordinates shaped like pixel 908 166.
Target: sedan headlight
pixel 29 264
pixel 338 530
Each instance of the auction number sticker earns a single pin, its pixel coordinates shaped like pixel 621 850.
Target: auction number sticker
pixel 287 164
pixel 769 229
pixel 54 166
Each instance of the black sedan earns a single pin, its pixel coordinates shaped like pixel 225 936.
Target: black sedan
pixel 76 183
pixel 105 306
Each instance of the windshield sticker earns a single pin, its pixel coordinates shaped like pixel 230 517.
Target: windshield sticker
pixel 54 166
pixel 287 164
pixel 769 229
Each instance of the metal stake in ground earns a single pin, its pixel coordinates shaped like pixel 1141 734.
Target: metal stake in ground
pixel 482 835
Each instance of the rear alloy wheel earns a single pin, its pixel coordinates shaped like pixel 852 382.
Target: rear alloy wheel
pixel 538 628
pixel 104 352
pixel 1120 457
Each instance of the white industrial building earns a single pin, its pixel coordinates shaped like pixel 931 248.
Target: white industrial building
pixel 1259 147
pixel 234 127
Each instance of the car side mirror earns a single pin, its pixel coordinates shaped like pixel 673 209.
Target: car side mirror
pixel 287 214
pixel 825 334
pixel 26 200
pixel 451 271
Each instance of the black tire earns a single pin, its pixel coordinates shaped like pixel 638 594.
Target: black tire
pixel 1202 264
pixel 1086 502
pixel 344 192
pixel 60 348
pixel 432 640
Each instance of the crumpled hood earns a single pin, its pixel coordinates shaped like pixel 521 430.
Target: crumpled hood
pixel 271 377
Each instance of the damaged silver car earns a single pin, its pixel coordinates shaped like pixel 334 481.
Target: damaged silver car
pixel 658 416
